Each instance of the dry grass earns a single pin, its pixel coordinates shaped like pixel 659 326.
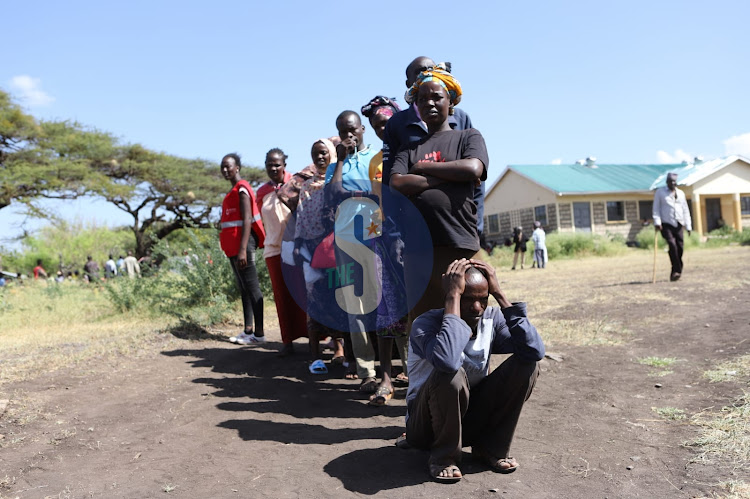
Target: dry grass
pixel 725 435
pixel 737 489
pixel 730 371
pixel 569 300
pixel 44 328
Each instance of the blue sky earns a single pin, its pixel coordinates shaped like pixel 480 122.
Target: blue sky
pixel 627 82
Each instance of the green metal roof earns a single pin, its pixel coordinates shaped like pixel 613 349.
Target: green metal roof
pixel 602 178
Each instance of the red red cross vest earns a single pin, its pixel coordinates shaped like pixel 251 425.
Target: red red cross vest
pixel 231 220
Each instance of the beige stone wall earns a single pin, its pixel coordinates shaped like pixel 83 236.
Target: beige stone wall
pixel 515 192
pixel 566 217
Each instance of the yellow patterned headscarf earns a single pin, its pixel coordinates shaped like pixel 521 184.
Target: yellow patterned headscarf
pixel 440 74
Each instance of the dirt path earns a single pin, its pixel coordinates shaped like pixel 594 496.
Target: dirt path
pixel 208 419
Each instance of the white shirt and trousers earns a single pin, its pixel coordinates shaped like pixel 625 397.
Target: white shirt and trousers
pixel 672 213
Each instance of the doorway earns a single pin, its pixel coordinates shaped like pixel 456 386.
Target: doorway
pixel 582 217
pixel 713 214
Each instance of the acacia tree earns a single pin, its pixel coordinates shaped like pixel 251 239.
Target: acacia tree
pixel 46 159
pixel 64 160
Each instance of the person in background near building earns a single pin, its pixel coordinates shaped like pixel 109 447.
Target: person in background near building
pixel 540 245
pixel 132 267
pixel 276 215
pixel 39 270
pixel 242 232
pixel 91 269
pixel 519 239
pixel 453 399
pixel 671 215
pixel 110 268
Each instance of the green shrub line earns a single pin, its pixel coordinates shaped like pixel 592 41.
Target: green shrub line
pixel 198 288
pixel 575 245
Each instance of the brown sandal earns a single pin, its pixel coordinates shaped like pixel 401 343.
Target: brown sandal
pixel 496 464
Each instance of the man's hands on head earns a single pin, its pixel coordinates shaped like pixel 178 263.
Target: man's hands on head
pixel 494 285
pixel 454 283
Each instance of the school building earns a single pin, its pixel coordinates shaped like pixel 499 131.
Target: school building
pixel 614 199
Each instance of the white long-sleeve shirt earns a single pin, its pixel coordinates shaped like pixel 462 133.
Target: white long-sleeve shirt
pixel 671 208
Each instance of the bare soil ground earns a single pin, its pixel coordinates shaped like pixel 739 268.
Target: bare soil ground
pixel 199 417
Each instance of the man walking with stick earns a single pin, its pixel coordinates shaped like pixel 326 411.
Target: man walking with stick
pixel 671 215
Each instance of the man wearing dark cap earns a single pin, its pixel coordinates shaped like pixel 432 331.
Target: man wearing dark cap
pixel 671 215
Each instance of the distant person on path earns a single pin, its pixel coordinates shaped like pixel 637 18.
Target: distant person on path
pixel 453 400
pixel 276 215
pixel 671 215
pixel 241 233
pixel 540 245
pixel 110 268
pixel 132 267
pixel 39 270
pixel 91 269
pixel 121 263
pixel 519 239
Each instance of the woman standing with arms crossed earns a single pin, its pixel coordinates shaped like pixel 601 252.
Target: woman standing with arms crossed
pixel 239 221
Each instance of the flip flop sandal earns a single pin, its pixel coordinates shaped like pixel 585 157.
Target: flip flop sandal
pixel 381 396
pixel 318 367
pixel 401 379
pixel 368 385
pixel 338 361
pixel 495 463
pixel 436 469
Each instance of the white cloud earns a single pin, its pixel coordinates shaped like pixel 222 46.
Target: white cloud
pixel 29 90
pixel 739 144
pixel 557 161
pixel 678 157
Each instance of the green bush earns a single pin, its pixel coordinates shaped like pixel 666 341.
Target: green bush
pixel 198 288
pixel 568 245
pixel 66 245
pixel 716 238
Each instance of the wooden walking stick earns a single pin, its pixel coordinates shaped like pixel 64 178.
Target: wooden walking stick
pixel 656 240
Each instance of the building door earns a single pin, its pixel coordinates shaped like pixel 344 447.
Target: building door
pixel 713 213
pixel 582 217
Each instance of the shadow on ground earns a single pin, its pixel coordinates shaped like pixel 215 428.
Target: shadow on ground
pixel 272 385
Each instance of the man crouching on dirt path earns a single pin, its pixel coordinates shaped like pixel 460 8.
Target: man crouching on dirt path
pixel 453 400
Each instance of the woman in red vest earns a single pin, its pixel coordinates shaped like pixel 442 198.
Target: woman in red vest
pixel 240 220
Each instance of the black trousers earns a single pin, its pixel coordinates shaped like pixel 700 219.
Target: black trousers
pixel 448 415
pixel 676 243
pixel 252 297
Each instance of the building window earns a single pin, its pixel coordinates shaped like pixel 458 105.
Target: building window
pixel 645 211
pixel 540 215
pixel 493 224
pixel 615 211
pixel 745 205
